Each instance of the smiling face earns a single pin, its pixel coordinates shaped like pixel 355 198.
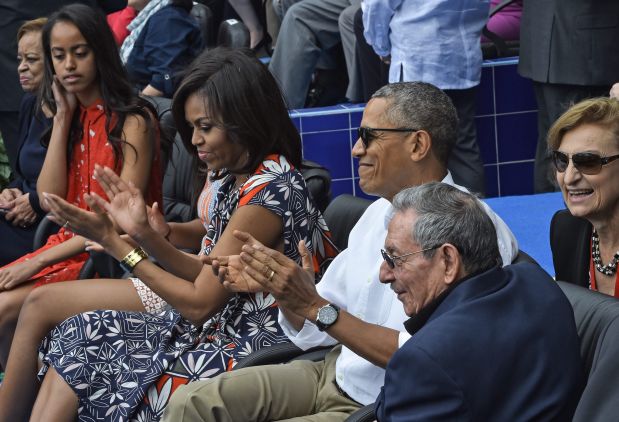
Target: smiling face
pixel 30 59
pixel 383 163
pixel 594 197
pixel 211 142
pixel 74 62
pixel 416 280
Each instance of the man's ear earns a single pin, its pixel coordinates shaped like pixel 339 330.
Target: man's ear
pixel 421 145
pixel 452 262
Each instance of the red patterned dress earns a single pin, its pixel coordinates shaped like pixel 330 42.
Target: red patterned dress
pixel 125 365
pixel 92 149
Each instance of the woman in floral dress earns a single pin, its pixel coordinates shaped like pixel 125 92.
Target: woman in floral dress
pixel 112 365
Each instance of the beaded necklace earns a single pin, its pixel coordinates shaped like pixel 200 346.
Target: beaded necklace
pixel 611 267
pixel 593 266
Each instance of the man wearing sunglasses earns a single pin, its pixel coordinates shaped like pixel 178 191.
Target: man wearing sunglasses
pixel 488 343
pixel 407 132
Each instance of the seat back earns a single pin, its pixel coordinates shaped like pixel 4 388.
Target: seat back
pixel 233 34
pixel 206 22
pixel 341 216
pixel 318 181
pixel 44 230
pixel 597 322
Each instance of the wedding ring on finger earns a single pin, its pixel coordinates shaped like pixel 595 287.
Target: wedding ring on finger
pixel 66 224
pixel 271 274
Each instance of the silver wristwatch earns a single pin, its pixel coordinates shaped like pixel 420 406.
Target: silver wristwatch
pixel 327 315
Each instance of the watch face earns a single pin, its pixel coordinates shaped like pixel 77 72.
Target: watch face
pixel 327 315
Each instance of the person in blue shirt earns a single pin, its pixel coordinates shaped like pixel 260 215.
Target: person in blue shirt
pixel 164 39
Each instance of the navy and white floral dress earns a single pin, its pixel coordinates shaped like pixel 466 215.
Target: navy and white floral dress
pixel 125 365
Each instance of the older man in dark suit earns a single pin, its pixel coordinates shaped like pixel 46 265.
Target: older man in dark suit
pixel 488 343
pixel 569 49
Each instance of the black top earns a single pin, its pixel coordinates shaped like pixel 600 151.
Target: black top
pixel 31 154
pixel 570 242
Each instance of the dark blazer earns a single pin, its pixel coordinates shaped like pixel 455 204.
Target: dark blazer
pixel 570 242
pixel 502 346
pixel 570 42
pixel 13 13
pixel 17 241
pixel 31 153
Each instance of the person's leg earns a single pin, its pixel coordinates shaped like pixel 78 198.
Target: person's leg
pixel 246 12
pixel 309 27
pixel 347 33
pixel 374 73
pixel 331 403
pixel 43 309
pixel 11 302
pixel 465 162
pixel 271 392
pixel 280 7
pixel 56 401
pixel 541 179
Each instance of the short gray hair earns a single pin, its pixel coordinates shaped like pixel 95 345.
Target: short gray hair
pixel 447 215
pixel 421 105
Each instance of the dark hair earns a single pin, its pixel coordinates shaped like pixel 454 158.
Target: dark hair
pixel 423 106
pixel 118 96
pixel 244 100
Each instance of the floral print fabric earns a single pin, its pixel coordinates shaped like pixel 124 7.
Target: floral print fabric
pixel 125 365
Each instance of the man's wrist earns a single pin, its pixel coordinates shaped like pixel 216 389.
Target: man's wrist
pixel 327 316
pixel 312 311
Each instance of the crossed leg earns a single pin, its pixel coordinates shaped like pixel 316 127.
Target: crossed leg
pixel 44 308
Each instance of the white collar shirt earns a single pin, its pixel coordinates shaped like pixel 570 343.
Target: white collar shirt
pixel 352 283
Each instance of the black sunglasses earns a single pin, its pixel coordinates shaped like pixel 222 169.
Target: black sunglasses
pixel 392 260
pixel 368 134
pixel 585 162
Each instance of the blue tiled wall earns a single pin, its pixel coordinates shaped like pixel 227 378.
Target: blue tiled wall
pixel 506 133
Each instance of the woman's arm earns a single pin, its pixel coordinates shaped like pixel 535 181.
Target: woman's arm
pixel 137 155
pixel 16 274
pixel 138 151
pixel 186 235
pixel 201 299
pixel 53 177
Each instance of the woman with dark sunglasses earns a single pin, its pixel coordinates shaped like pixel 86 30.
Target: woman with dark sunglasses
pixel 584 143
